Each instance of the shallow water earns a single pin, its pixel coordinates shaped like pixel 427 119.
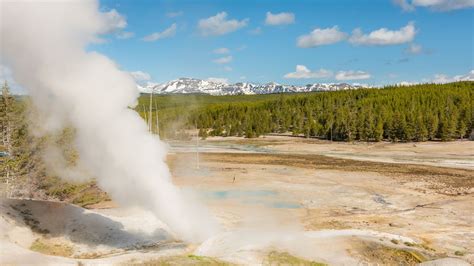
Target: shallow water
pixel 229 194
pixel 182 146
pixel 285 205
pixel 265 198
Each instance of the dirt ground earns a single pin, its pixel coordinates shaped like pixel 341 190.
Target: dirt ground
pixel 456 154
pixel 424 191
pixel 281 201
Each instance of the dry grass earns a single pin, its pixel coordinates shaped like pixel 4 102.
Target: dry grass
pixel 284 258
pixel 383 255
pixel 49 247
pixel 183 260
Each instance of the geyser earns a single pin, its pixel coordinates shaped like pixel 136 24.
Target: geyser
pixel 45 43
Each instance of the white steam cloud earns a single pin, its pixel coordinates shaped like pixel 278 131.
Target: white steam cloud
pixel 44 44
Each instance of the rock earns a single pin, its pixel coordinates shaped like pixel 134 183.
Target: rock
pixel 394 224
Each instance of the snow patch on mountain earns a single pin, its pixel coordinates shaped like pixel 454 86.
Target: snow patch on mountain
pixel 217 87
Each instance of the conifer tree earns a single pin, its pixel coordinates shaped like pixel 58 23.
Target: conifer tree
pixel 7 123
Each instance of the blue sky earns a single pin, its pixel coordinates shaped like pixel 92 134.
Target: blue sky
pixel 398 41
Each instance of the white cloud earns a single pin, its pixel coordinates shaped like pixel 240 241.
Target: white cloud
pixel 114 21
pixel 302 72
pixel 384 36
pixel 414 49
pixel 219 25
pixel 442 78
pixel 407 83
pixel 221 50
pixel 437 5
pixel 169 32
pixel 174 14
pixel 124 35
pixel 218 80
pixel 321 37
pixel 404 4
pixel 223 60
pixel 140 76
pixel 256 31
pixel 283 18
pixel 444 5
pixel 352 75
pixel 228 68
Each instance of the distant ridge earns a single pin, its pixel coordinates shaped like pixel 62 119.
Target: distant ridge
pixel 192 85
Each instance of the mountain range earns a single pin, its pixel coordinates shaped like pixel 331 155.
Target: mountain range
pixel 215 87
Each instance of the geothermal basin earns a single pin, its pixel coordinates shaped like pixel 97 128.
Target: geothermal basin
pixel 275 207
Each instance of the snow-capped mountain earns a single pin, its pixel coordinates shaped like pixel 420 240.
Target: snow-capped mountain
pixel 215 87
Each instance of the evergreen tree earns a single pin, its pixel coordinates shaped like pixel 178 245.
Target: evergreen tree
pixel 433 126
pixel 421 132
pixel 461 129
pixel 7 123
pixel 378 130
pixel 415 113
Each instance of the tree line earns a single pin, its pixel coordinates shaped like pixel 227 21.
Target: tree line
pixel 23 172
pixel 396 113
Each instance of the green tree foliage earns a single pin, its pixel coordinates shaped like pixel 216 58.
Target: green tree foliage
pixel 7 117
pixel 396 113
pixel 23 172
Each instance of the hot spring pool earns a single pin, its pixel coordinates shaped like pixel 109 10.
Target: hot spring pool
pixel 266 198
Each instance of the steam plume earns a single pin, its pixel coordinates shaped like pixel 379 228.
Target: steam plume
pixel 45 44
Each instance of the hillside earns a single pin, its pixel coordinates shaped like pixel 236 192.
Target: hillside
pixel 400 113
